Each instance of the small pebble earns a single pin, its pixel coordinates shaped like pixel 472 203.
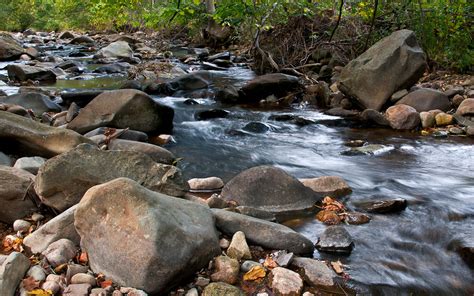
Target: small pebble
pixel 37 273
pixel 224 243
pixel 192 292
pixel 83 278
pixel 52 286
pixel 202 281
pixel 21 225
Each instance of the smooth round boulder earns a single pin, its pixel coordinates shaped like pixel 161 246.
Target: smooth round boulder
pixel 332 186
pixel 402 117
pixel 466 108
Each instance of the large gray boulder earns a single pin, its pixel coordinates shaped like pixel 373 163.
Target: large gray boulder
pixel 126 108
pixel 118 49
pixel 17 196
pixel 395 62
pixel 62 181
pixel 12 272
pixel 271 189
pixel 37 102
pixel 263 233
pixel 24 135
pixel 144 239
pixel 19 72
pixel 60 227
pixel 426 99
pixel 276 84
pixel 10 49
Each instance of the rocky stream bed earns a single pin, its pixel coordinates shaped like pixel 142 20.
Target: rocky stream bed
pixel 132 166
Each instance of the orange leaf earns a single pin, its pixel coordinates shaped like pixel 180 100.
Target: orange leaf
pixel 83 258
pixel 257 272
pixel 270 263
pixel 12 243
pixel 105 284
pixel 328 217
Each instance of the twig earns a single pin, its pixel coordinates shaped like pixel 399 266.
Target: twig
pixel 338 20
pixel 176 12
pixel 376 4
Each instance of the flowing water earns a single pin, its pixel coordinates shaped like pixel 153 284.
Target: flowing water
pixel 405 253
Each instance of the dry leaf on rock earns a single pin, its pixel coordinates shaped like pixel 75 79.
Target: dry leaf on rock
pixel 257 272
pixel 12 243
pixel 270 263
pixel 328 217
pixel 83 258
pixel 332 205
pixel 105 284
pixel 337 266
pixel 60 268
pixel 40 292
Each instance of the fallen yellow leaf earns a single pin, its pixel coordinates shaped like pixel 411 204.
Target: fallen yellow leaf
pixel 337 266
pixel 40 292
pixel 257 272
pixel 270 263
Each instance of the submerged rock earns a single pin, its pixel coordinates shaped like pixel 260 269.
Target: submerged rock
pixel 271 189
pixel 335 239
pixel 384 206
pixel 393 63
pixel 87 166
pixel 370 149
pixel 166 239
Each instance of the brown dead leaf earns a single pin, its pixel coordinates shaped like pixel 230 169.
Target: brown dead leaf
pixel 12 243
pixel 83 258
pixel 105 284
pixel 257 272
pixel 337 266
pixel 30 283
pixel 332 205
pixel 60 268
pixel 270 263
pixel 328 217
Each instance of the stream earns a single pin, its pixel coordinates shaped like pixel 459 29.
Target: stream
pixel 407 253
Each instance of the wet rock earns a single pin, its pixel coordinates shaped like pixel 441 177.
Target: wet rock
pixel 238 248
pixel 335 239
pixel 256 127
pixel 61 226
pixel 211 114
pixel 21 225
pixel 28 136
pixel 37 273
pixel 16 194
pixel 118 49
pixel 427 119
pixel 226 270
pixel 66 35
pixel 83 278
pixel 355 218
pixel 463 244
pixel 126 108
pixel 263 233
pixel 271 189
pixel 37 102
pixel 81 98
pixel 20 72
pixel 316 273
pixel 60 252
pixel 425 99
pixel 283 258
pixel 395 62
pixel 220 289
pixel 285 282
pixel 29 164
pixel 256 213
pixel 248 265
pixel 454 130
pixel 82 40
pixel 216 202
pixel 210 183
pixel 443 119
pixel 355 143
pixel 398 95
pixel 51 286
pixel 179 235
pixel 402 117
pixel 157 153
pixel 384 206
pixel 77 290
pixel 372 116
pixel 228 94
pixel 466 108
pixel 338 111
pixel 470 131
pixel 261 87
pixel 457 100
pixel 11 273
pixel 86 166
pixel 370 149
pixel 333 186
pixel 10 49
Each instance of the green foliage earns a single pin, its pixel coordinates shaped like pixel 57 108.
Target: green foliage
pixel 444 27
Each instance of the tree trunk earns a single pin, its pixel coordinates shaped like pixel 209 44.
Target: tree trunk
pixel 210 6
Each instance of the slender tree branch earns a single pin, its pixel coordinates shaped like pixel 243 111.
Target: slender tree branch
pixel 376 4
pixel 338 20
